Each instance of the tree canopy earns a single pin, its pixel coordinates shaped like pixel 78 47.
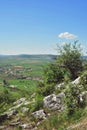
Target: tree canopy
pixel 71 58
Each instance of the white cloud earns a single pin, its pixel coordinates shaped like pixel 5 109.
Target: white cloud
pixel 67 35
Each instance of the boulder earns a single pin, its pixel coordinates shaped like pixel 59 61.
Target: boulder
pixel 39 114
pixel 54 102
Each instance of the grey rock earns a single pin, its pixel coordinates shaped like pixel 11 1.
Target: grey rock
pixel 27 126
pixel 83 96
pixel 11 113
pixel 14 123
pixel 76 81
pixel 12 86
pixel 21 100
pixel 39 114
pixel 54 102
pixel 61 85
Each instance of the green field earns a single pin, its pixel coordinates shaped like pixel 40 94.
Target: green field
pixel 15 71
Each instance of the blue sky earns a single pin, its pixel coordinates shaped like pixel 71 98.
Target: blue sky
pixel 36 26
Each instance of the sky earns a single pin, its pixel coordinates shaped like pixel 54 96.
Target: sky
pixel 37 26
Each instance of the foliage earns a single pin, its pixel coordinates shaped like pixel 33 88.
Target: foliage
pixel 38 103
pixel 45 90
pixel 70 58
pixel 72 98
pixel 54 73
pixel 57 121
pixel 83 80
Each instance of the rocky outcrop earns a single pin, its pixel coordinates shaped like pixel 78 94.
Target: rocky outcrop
pixel 39 114
pixel 20 102
pixel 54 102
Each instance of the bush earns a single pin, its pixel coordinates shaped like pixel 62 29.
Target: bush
pixel 46 90
pixel 71 58
pixel 72 98
pixel 54 73
pixel 38 103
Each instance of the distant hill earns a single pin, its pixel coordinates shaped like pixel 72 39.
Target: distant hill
pixel 33 56
pixel 39 56
pixel 85 57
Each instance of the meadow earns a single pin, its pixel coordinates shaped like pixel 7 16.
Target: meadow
pixel 23 74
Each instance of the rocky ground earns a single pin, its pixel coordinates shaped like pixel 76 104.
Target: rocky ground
pixel 17 116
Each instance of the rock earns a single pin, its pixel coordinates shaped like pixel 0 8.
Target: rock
pixel 30 126
pixel 61 85
pixel 26 126
pixel 39 114
pixel 21 100
pixel 7 115
pixel 12 86
pixel 83 96
pixel 10 113
pixel 24 109
pixel 14 123
pixel 33 95
pixel 76 81
pixel 54 102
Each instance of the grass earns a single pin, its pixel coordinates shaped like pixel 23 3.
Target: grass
pixel 25 88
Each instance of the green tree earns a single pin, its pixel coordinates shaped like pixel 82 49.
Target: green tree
pixel 54 73
pixel 71 58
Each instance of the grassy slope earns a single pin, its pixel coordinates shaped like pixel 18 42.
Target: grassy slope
pixel 25 88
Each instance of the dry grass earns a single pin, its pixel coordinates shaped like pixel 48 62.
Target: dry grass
pixel 82 125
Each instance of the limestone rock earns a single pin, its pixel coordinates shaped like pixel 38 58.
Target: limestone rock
pixel 76 81
pixel 21 100
pixel 30 126
pixel 39 114
pixel 54 102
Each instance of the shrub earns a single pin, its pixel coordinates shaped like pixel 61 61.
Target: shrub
pixel 38 103
pixel 53 73
pixel 71 58
pixel 72 98
pixel 46 90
